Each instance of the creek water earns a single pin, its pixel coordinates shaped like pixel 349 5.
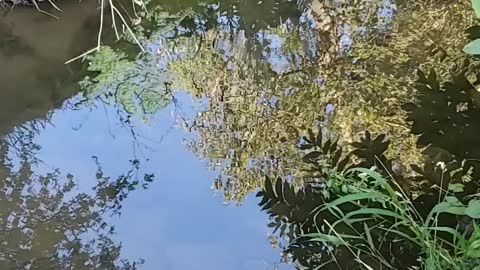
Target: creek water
pixel 132 171
pixel 175 223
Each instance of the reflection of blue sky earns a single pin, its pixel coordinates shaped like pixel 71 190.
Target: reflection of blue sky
pixel 274 53
pixel 176 223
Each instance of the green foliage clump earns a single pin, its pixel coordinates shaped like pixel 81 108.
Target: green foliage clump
pixel 139 85
pixel 370 85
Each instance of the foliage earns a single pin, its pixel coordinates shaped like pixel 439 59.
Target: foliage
pixel 423 34
pixel 139 86
pixel 255 113
pixel 254 103
pixel 347 57
pixel 473 47
pixel 46 223
pixel 360 216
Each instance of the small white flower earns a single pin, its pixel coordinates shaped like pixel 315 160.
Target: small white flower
pixel 441 164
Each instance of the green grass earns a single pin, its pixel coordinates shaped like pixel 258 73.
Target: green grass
pixel 381 200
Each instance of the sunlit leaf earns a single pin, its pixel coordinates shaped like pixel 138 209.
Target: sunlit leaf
pixel 476 7
pixel 473 209
pixel 472 48
pixel 457 187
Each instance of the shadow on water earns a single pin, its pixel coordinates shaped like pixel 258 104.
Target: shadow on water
pixel 33 50
pixel 445 117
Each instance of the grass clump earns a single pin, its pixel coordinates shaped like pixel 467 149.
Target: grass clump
pixel 353 212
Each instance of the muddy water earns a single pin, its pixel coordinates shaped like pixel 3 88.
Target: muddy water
pixel 33 50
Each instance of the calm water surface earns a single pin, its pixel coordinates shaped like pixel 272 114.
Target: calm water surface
pixel 155 164
pixel 175 223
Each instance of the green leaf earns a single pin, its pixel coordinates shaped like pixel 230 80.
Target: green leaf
pixel 476 7
pixel 369 236
pixel 376 212
pixel 329 239
pixel 458 187
pixel 472 48
pixel 473 250
pixel 452 207
pixel 401 234
pixel 451 231
pixel 473 209
pixel 379 179
pixel 320 237
pixel 475 244
pixel 354 198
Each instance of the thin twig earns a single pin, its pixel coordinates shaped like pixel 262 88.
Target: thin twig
pixel 55 6
pixel 100 30
pixel 42 11
pixel 82 55
pixel 128 28
pixel 114 24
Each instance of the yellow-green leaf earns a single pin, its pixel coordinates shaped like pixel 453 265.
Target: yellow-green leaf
pixel 476 7
pixel 472 48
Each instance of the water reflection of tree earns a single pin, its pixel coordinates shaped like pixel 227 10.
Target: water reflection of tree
pixel 250 15
pixel 254 112
pixel 253 115
pixel 46 223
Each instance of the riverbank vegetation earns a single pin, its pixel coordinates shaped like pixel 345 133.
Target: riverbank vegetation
pixel 365 214
pixel 355 210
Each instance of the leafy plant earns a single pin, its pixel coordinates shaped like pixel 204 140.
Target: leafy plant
pixel 358 212
pixel 473 48
pixel 389 218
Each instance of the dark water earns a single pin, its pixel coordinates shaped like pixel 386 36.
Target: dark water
pixel 131 166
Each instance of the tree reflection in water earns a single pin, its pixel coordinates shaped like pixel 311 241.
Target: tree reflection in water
pixel 47 223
